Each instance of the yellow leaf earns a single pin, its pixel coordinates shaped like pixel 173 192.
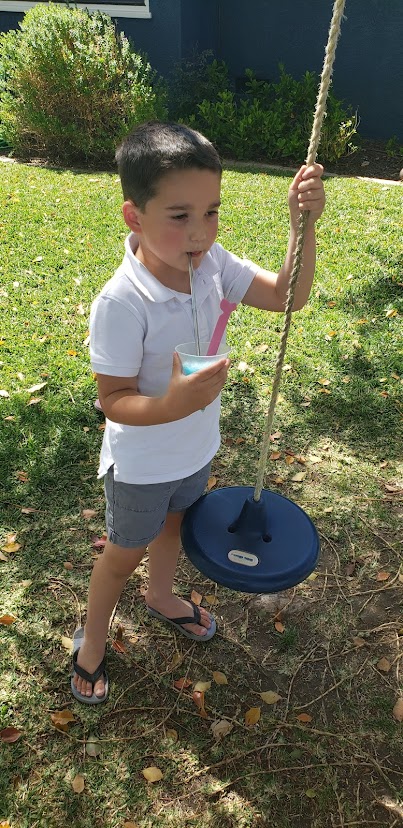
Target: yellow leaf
pixel 67 643
pixel 331 304
pixel 172 734
pixel 270 697
pixel 398 710
pixel 78 783
pixel 212 481
pixel 324 391
pixel 152 774
pixel 359 642
pixel 312 577
pixel 289 459
pixel 279 626
pixel 310 793
pixel 196 597
pixel 212 600
pixel 72 352
pixel 324 381
pixel 298 478
pixel 328 510
pixel 252 716
pixel 392 312
pixel 202 686
pixel 275 455
pixel 313 458
pixel 11 547
pixel 220 678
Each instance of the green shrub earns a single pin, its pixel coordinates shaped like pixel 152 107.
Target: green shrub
pixel 195 79
pixel 274 120
pixel 72 86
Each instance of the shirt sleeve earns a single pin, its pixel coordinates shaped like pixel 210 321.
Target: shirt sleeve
pixel 116 338
pixel 236 274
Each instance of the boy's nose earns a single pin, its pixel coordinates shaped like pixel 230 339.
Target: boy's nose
pixel 198 234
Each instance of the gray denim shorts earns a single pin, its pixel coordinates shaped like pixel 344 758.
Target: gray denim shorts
pixel 136 513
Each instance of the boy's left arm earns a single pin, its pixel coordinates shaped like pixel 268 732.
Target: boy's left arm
pixel 268 290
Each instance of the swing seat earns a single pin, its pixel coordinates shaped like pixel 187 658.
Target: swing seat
pixel 250 546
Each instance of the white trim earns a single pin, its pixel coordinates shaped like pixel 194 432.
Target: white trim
pixel 120 10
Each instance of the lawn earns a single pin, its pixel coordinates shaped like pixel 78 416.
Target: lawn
pixel 323 749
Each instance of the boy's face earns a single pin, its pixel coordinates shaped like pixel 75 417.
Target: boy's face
pixel 182 218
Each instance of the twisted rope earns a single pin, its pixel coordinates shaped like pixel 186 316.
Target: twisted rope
pixel 320 110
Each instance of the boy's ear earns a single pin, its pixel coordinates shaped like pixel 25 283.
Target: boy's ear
pixel 131 215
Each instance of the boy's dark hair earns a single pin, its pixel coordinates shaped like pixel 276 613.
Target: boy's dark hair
pixel 154 149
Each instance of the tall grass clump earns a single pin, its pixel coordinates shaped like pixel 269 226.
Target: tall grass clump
pixel 72 86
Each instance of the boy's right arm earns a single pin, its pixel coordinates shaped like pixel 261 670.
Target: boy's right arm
pixel 122 403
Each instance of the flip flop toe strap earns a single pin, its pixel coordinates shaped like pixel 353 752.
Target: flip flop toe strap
pixel 195 619
pixel 91 677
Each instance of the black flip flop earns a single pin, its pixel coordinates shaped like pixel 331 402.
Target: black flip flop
pixel 78 639
pixel 178 623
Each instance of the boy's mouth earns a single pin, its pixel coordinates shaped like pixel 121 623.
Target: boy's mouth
pixel 194 253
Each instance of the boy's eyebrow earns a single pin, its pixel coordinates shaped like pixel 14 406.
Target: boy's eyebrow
pixel 189 206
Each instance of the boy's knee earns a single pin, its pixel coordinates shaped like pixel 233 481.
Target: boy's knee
pixel 119 561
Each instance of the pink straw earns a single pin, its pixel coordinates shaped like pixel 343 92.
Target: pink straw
pixel 218 333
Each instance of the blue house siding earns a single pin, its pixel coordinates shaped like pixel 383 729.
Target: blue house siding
pixel 368 72
pixel 261 34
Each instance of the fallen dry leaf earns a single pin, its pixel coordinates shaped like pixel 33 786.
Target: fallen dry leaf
pixel 279 627
pixel 212 481
pixel 359 642
pixel 252 716
pixel 28 510
pixel 298 478
pixel 172 734
pixel 220 678
pixel 202 686
pixel 182 683
pixel 221 728
pixel 152 774
pixel 130 825
pixel 36 387
pixel 62 718
pixel 198 698
pixel 93 747
pixel 4 394
pixel 383 576
pixel 212 600
pixel 270 697
pixel 68 565
pixel 10 548
pixel 88 514
pixel 384 665
pixel 67 643
pixel 275 455
pixel 196 597
pixel 304 717
pixel 10 734
pixel 7 619
pixel 78 783
pixel 35 400
pixel 398 710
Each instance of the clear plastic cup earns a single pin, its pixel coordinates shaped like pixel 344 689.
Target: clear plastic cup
pixel 192 362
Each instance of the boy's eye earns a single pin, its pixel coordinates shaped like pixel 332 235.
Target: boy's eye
pixel 212 213
pixel 180 217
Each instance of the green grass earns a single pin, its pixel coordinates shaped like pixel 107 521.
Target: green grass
pixel 61 239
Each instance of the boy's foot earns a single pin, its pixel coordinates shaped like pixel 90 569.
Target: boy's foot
pixel 89 661
pixel 174 609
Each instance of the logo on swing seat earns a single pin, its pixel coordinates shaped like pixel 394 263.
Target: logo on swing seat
pixel 244 558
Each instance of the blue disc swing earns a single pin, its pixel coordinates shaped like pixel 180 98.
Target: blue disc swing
pixel 255 540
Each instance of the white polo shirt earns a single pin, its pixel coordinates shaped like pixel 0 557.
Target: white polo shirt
pixel 135 325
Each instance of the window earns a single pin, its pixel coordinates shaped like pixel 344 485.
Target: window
pixel 116 8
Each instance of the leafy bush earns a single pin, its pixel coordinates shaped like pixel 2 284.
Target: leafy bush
pixel 195 79
pixel 274 120
pixel 72 86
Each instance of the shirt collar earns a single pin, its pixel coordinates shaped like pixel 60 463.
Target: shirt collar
pixel 152 288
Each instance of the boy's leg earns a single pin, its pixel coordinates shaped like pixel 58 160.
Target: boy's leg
pixel 163 558
pixel 108 579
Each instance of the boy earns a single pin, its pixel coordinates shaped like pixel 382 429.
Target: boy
pixel 162 427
